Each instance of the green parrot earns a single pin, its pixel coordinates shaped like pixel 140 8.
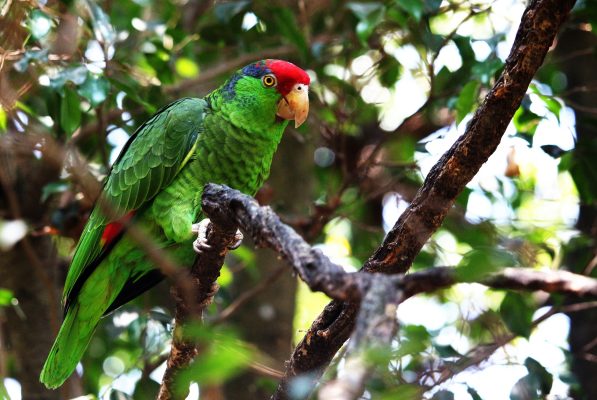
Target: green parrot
pixel 228 137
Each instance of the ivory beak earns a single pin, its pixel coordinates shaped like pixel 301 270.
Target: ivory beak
pixel 295 105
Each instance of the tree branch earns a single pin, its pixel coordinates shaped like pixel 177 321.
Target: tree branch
pixel 540 23
pixel 377 294
pixel 202 281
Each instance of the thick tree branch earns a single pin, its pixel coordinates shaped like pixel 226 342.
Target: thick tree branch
pixel 539 26
pixel 231 208
pixel 202 280
pixel 377 294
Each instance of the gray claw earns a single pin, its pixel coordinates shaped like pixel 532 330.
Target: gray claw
pixel 239 240
pixel 200 244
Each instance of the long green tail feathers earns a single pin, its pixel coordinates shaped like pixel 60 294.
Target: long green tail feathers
pixel 70 344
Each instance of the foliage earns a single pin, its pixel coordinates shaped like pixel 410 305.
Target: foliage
pixel 85 74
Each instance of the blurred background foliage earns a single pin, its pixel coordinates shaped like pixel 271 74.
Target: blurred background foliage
pixel 394 84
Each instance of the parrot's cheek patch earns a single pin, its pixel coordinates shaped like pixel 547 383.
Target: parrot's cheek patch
pixel 295 105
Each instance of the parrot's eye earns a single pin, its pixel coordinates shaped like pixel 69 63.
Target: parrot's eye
pixel 269 80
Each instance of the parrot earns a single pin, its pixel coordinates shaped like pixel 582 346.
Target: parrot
pixel 227 137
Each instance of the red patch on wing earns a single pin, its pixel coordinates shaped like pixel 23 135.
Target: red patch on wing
pixel 287 75
pixel 113 229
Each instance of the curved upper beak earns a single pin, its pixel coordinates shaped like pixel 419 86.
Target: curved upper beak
pixel 295 105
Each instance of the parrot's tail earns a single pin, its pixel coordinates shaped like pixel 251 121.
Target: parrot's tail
pixel 70 344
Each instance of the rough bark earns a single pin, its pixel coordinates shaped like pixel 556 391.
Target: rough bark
pixel 540 23
pixel 202 280
pixel 377 294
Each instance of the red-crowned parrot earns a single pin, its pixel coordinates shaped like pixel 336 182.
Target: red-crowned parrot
pixel 227 137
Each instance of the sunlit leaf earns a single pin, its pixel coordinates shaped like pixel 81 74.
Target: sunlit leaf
pixel 525 121
pixel 3 391
pixel 75 74
pixel 223 356
pixel 39 24
pixel 186 68
pixel 102 28
pixel 31 55
pixel 95 89
pixel 369 15
pixel 3 120
pixel 6 297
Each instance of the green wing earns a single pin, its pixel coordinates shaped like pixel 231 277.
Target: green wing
pixel 150 160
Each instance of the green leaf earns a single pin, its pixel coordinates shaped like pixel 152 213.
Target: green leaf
pixel 517 311
pixel 473 393
pixel 446 351
pixel 466 100
pixel 369 15
pixel 53 188
pixel 223 356
pixel 431 6
pixel 550 102
pixel 102 28
pixel 536 385
pixel 228 10
pixel 525 121
pixel 540 374
pixel 288 27
pixel 31 55
pixel 6 297
pixel 443 395
pixel 76 74
pixel 70 111
pixel 39 24
pixel 584 172
pixel 479 263
pixel 416 339
pixel 146 388
pixel 3 391
pixel 389 71
pixel 132 89
pixel 3 120
pixel 363 11
pixel 401 392
pixel 186 68
pixel 95 89
pixel 484 71
pixel 413 7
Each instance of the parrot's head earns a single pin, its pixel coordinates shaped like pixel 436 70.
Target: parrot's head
pixel 268 90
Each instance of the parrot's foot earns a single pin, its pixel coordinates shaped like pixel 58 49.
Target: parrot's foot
pixel 200 244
